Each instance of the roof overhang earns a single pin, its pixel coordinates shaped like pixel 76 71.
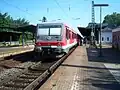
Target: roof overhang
pixel 28 28
pixel 84 31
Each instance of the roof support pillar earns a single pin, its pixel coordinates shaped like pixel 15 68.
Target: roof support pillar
pixel 23 39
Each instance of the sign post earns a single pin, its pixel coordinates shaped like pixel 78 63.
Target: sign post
pixel 100 5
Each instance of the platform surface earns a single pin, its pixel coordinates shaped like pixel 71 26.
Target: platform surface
pixel 80 71
pixel 6 51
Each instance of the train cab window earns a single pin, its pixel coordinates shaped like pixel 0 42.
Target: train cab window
pixel 102 38
pixel 55 31
pixel 43 31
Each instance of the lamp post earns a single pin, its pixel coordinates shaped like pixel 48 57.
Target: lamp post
pixel 93 24
pixel 100 5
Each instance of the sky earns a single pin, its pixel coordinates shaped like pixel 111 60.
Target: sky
pixel 66 10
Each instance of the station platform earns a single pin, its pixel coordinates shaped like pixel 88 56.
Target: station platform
pixel 83 70
pixel 6 51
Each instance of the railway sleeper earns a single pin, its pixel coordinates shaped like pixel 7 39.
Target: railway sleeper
pixel 9 88
pixel 42 67
pixel 28 76
pixel 24 80
pixel 35 74
pixel 16 85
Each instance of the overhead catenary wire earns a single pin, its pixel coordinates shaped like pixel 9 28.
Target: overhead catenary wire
pixel 62 8
pixel 69 9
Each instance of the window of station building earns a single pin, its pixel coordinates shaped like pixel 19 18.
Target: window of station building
pixel 102 38
pixel 107 38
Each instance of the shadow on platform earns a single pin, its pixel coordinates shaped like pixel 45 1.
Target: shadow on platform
pixel 97 76
pixel 23 57
pixel 89 67
pixel 109 55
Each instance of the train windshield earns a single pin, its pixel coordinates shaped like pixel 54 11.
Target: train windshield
pixel 43 31
pixel 55 31
pixel 49 30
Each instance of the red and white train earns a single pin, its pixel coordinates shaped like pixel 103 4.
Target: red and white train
pixel 54 39
pixel 116 38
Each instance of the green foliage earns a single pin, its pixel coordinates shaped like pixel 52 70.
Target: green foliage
pixel 113 19
pixel 7 21
pixel 29 36
pixel 20 39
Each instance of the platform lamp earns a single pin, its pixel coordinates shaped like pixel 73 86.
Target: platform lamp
pixel 100 5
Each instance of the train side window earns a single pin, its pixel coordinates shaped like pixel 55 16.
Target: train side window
pixel 72 35
pixel 67 33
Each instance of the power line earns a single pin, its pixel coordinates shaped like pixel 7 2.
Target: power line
pixel 16 7
pixel 69 8
pixel 61 8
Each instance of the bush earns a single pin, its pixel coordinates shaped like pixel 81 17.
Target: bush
pixel 20 39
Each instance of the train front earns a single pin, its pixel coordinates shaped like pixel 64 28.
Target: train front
pixel 49 39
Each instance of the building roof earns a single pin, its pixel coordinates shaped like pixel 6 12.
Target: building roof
pixel 27 28
pixel 84 31
pixel 107 29
pixel 116 29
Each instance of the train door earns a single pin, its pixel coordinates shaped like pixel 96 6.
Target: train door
pixel 67 36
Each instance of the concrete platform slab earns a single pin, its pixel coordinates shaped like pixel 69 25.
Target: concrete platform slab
pixel 15 50
pixel 68 74
pixel 81 71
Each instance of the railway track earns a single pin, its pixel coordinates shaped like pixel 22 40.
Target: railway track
pixel 33 77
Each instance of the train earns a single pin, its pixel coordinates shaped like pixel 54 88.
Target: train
pixel 116 38
pixel 54 39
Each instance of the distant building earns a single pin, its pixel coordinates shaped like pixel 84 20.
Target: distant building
pixel 116 38
pixel 106 35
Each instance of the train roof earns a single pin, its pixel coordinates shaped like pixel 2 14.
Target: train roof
pixel 62 23
pixel 66 25
pixel 50 23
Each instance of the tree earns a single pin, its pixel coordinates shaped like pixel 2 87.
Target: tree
pixel 44 19
pixel 7 21
pixel 113 19
pixel 20 22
